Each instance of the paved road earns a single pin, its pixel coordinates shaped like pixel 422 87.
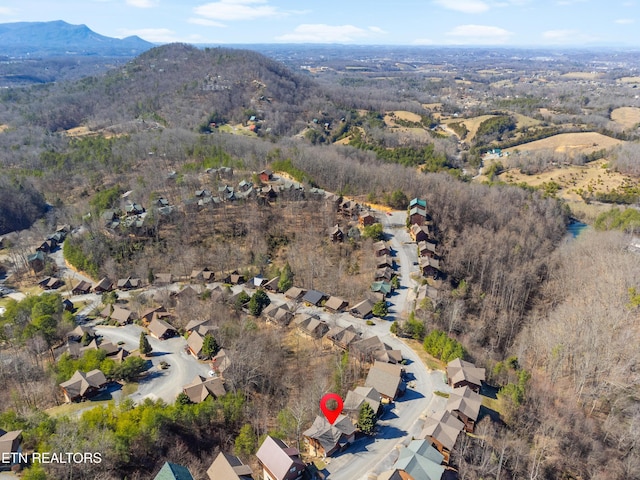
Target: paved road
pixel 403 419
pixel 64 271
pixel 164 384
pixel 406 254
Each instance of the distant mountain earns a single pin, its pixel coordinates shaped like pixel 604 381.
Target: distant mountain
pixel 43 39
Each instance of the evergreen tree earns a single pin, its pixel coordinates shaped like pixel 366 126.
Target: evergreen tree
pixel 246 441
pixel 380 309
pixel 366 419
pixel 209 346
pixel 258 302
pixel 286 278
pixel 183 399
pixel 145 346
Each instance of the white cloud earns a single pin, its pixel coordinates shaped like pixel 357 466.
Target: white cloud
pixel 567 37
pixel 511 3
pixel 479 35
pixel 625 21
pixel 206 22
pixel 6 11
pixel 229 10
pixel 570 2
pixel 142 3
pixel 465 6
pixel 321 33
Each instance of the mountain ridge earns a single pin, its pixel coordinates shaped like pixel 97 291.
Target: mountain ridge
pixel 54 38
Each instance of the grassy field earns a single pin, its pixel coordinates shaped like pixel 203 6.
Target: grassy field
pixel 582 75
pixel 402 115
pixel 593 177
pixel 628 117
pixel 570 143
pixel 472 124
pixel 524 121
pixel 629 80
pixel 237 130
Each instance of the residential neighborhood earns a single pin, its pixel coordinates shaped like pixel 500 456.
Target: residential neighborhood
pixel 391 378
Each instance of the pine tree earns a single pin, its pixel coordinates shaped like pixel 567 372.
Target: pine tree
pixel 209 346
pixel 366 419
pixel 145 346
pixel 258 302
pixel 246 441
pixel 380 309
pixel 286 278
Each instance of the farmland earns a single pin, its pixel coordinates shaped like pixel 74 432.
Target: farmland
pixel 628 117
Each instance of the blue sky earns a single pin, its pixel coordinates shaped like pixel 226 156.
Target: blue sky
pixel 405 22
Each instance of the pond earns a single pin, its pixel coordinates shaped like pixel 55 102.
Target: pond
pixel 575 228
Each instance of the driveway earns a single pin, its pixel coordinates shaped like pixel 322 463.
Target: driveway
pixel 163 384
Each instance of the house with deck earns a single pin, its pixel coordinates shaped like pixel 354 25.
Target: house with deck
pixel 342 337
pixel 279 461
pixel 10 448
pixel 364 309
pixel 421 460
pixel 200 388
pixel 310 325
pixel 81 288
pixel 324 439
pixel 83 385
pixel 359 396
pixel 161 329
pixel 386 379
pixel 442 430
pixel 229 467
pixel 465 404
pixel 336 304
pixel 461 373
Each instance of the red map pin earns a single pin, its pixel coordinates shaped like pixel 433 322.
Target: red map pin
pixel 331 414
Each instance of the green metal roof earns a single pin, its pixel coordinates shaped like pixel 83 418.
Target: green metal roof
pixel 172 471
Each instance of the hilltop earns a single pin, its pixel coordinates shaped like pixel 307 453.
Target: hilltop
pixel 179 85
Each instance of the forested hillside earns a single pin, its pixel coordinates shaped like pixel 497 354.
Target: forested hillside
pixel 21 205
pixel 176 86
pixel 189 135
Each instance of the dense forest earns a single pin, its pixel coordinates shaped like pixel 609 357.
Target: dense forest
pixel 554 320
